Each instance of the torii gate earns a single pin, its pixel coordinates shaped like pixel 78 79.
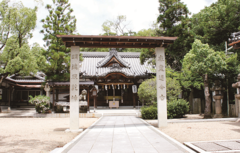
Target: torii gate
pixel 91 41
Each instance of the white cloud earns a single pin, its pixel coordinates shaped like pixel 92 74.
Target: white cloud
pixel 195 6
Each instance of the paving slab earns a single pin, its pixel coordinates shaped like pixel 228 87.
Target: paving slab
pixel 123 134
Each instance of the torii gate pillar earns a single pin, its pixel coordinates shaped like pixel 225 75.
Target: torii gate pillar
pixel 74 90
pixel 161 87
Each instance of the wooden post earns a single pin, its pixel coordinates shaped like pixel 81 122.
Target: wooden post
pixel 94 103
pixel 57 92
pixel 88 99
pixel 9 100
pixel 53 104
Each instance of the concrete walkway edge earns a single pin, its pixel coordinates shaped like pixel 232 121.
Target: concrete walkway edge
pixel 69 145
pixel 169 139
pixel 234 119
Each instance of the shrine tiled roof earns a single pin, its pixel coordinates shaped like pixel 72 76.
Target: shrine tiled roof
pixel 89 66
pixel 113 53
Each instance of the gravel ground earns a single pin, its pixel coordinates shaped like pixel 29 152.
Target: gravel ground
pixel 36 135
pixel 203 131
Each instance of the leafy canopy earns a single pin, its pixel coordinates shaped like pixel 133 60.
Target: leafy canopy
pixel 203 60
pixel 16 26
pixel 148 91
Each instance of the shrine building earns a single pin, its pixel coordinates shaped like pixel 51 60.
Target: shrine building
pixel 113 73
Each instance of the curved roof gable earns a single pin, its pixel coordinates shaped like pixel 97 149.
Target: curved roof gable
pixel 113 57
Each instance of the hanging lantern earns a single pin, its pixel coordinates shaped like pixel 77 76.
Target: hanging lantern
pixel 134 88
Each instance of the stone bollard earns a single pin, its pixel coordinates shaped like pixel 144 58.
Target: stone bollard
pixel 237 96
pixel 218 97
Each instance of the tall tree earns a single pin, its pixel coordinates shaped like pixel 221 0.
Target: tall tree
pixel 16 56
pixel 58 22
pixel 117 27
pixel 174 21
pixel 4 25
pixel 204 61
pixel 214 24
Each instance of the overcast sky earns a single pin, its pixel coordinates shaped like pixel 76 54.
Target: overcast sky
pixel 91 14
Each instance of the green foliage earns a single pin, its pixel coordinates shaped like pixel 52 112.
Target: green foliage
pixel 21 60
pixel 149 112
pixel 58 22
pixel 174 20
pixel 17 57
pixel 148 55
pixel 16 20
pixel 214 24
pixel 177 108
pixel 147 91
pixel 173 88
pixel 203 60
pixel 41 103
pixel 116 27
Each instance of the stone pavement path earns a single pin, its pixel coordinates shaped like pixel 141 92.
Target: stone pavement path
pixel 122 134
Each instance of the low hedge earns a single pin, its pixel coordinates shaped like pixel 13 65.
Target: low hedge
pixel 149 112
pixel 175 109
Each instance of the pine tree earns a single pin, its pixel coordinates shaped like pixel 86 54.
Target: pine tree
pixel 58 22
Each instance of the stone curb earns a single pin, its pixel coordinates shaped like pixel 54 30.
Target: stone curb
pixel 69 145
pixel 169 139
pixel 54 115
pixel 203 120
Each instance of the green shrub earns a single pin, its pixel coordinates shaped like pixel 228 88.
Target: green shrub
pixel 149 112
pixel 147 91
pixel 41 103
pixel 177 108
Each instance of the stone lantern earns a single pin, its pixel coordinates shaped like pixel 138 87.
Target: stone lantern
pixel 47 89
pixel 94 94
pixel 237 96
pixel 218 97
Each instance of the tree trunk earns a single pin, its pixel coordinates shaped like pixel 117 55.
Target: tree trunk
pixel 207 112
